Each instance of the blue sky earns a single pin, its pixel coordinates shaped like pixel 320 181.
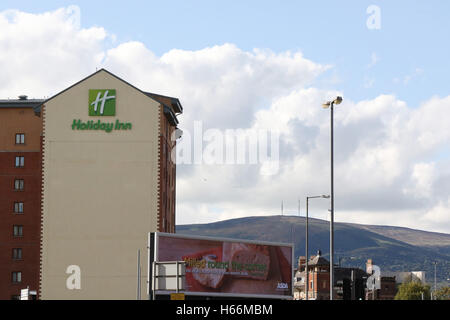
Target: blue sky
pixel 237 67
pixel 411 48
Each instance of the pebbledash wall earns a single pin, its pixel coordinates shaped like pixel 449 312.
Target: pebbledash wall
pixel 102 188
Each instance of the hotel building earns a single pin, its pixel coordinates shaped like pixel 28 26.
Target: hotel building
pixel 85 175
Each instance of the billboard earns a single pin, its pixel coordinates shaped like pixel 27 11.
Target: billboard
pixel 229 267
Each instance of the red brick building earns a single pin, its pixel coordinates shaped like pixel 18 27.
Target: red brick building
pixel 167 172
pixel 20 196
pixel 319 277
pixel 349 283
pixel 387 291
pixel 387 285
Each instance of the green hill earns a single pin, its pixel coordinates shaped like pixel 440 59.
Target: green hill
pixel 391 248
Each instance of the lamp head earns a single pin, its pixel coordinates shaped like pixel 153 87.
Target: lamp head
pixel 326 105
pixel 338 100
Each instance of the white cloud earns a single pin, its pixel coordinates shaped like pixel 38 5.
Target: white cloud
pixel 422 178
pixel 44 53
pixel 223 76
pixel 439 214
pixel 386 171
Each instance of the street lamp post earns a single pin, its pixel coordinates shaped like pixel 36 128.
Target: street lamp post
pixel 330 104
pixel 306 242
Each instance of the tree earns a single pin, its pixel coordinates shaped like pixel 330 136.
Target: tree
pixel 413 290
pixel 443 293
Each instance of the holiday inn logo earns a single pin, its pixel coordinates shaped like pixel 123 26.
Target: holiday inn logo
pixel 102 102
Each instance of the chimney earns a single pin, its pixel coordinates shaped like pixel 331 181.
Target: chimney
pixel 301 263
pixel 23 97
pixel 369 265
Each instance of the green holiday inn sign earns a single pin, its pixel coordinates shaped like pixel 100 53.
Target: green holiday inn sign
pixel 102 103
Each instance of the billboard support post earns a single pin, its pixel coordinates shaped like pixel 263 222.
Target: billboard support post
pixel 148 266
pixel 150 259
pixel 138 295
pixel 154 281
pixel 178 283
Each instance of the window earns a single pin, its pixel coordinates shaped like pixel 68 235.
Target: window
pixel 20 161
pixel 16 277
pixel 20 138
pixel 18 207
pixel 18 184
pixel 18 231
pixel 17 254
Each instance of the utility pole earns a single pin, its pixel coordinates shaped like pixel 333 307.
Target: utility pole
pixel 435 284
pixel 332 209
pixel 330 104
pixel 353 286
pixel 292 234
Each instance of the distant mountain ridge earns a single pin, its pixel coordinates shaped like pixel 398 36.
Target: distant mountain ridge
pixel 411 236
pixel 391 248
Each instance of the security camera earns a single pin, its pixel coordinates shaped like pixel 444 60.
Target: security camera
pixel 178 133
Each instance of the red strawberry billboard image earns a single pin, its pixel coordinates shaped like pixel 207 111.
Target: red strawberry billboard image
pixel 230 267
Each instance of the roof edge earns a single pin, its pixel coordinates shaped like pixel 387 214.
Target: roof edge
pixel 37 108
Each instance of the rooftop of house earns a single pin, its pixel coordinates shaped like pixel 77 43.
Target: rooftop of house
pixel 318 260
pixel 21 102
